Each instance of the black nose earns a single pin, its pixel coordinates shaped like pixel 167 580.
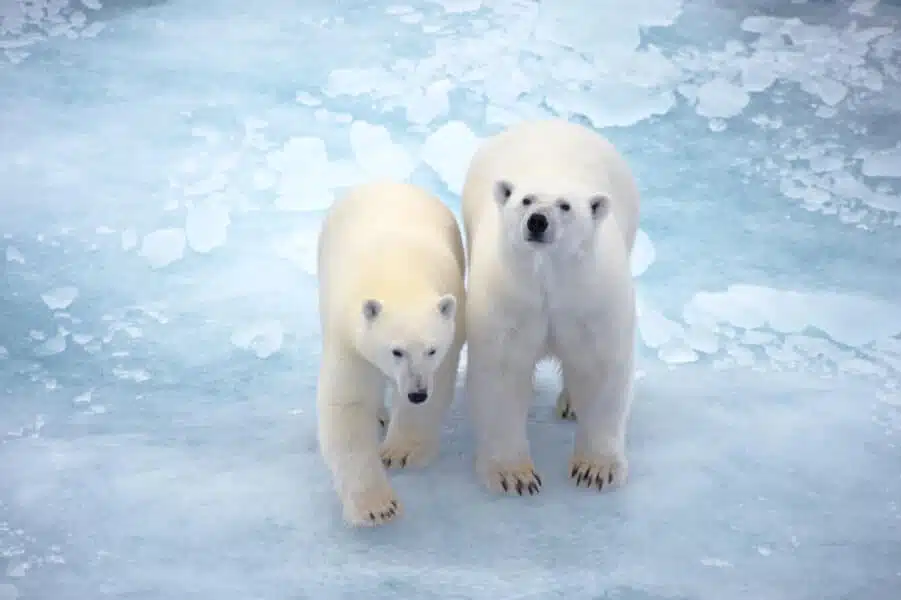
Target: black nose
pixel 537 224
pixel 417 397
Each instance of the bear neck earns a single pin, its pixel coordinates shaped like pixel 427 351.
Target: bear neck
pixel 545 265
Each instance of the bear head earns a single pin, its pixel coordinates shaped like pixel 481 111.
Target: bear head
pixel 544 219
pixel 408 340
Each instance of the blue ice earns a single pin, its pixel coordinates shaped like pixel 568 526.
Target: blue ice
pixel 164 168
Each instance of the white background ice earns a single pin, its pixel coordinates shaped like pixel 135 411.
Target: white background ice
pixel 165 168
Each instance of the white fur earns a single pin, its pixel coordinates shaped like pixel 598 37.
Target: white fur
pixel 571 299
pixel 391 268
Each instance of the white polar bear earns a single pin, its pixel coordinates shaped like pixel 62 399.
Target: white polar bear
pixel 550 212
pixel 391 293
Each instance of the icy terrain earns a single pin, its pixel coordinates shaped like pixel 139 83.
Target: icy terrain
pixel 164 167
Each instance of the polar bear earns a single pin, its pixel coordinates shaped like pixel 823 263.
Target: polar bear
pixel 391 293
pixel 550 214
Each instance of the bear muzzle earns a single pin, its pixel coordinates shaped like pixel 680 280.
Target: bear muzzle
pixel 418 396
pixel 538 228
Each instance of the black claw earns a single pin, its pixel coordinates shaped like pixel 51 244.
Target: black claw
pixel 504 483
pixel 574 471
pixel 519 486
pixel 610 477
pixel 403 462
pixel 394 504
pixel 371 516
pixel 599 481
pixel 536 477
pixel 533 488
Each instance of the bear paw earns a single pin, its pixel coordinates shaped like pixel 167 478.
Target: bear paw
pixel 402 453
pixel 608 470
pixel 518 478
pixel 564 407
pixel 374 506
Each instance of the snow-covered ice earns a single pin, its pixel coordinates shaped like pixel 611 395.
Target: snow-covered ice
pixel 165 168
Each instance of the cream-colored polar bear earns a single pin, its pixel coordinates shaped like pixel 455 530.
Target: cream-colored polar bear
pixel 391 295
pixel 550 211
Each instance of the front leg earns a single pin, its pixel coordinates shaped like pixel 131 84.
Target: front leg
pixel 348 398
pixel 601 394
pixel 414 431
pixel 499 390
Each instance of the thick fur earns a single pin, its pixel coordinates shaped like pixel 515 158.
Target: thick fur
pixel 391 303
pixel 570 298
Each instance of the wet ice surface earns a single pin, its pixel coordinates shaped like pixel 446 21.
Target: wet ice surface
pixel 165 170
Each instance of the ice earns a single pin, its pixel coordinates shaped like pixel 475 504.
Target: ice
pixel 378 154
pixel 129 239
pixel 263 339
pixel 643 253
pixel 206 227
pixel 163 247
pixel 60 298
pixel 459 6
pixel 721 99
pixel 447 150
pixel 49 347
pixel 159 335
pixel 14 255
pixel 885 163
pixel 846 318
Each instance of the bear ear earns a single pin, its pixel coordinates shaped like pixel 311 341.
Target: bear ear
pixel 447 306
pixel 503 189
pixel 371 310
pixel 600 206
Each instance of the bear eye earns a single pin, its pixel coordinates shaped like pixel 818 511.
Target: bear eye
pixel 565 206
pixel 527 200
pixel 398 353
pixel 431 352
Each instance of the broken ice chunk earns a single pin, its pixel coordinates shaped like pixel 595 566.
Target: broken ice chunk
pixel 163 247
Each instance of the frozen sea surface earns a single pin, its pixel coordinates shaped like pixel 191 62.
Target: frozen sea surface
pixel 164 167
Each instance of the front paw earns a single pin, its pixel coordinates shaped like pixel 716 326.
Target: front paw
pixel 375 505
pixel 512 478
pixel 401 451
pixel 600 471
pixel 564 408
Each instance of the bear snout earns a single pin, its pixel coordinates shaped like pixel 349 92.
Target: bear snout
pixel 537 226
pixel 418 397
